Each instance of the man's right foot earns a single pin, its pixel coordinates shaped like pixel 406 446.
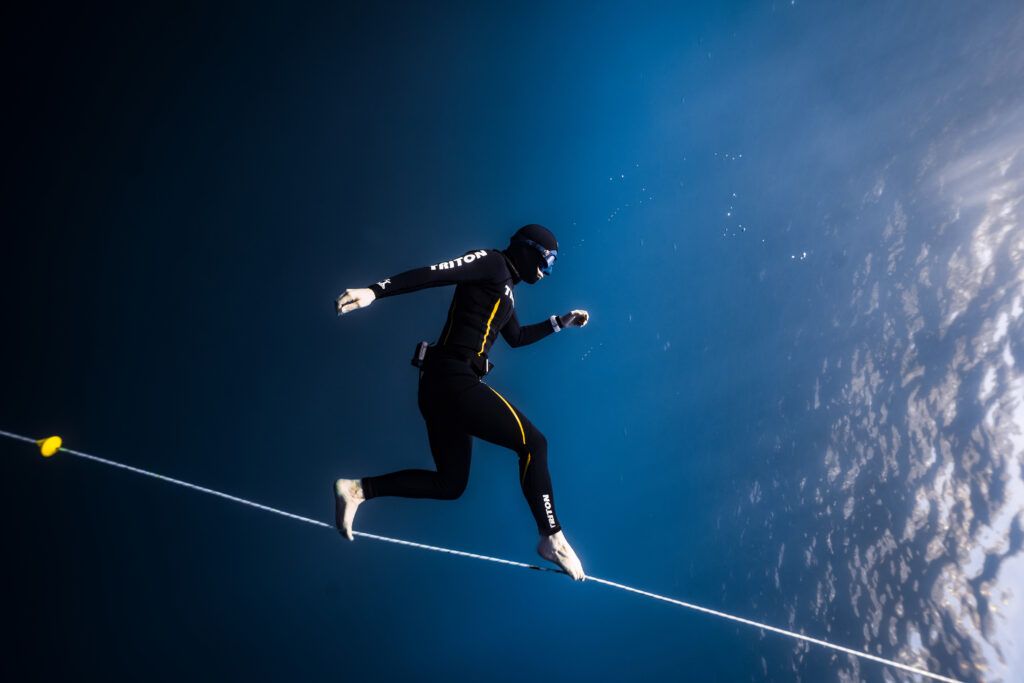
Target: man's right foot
pixel 555 548
pixel 348 495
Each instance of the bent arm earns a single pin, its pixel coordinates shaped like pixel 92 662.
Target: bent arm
pixel 521 335
pixel 479 265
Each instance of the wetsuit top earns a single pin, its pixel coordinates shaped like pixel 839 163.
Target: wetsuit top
pixel 483 303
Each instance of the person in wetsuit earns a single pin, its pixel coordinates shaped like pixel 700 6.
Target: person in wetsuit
pixel 455 402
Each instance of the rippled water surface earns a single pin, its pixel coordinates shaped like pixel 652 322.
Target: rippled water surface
pixel 903 529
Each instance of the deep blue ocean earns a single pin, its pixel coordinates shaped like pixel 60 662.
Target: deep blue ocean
pixel 796 226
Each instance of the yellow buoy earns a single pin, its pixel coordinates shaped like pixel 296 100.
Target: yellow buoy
pixel 49 445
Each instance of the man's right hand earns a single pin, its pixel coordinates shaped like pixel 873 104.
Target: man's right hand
pixel 352 299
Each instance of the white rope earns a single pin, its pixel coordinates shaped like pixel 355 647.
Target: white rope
pixel 17 437
pixel 498 560
pixel 791 634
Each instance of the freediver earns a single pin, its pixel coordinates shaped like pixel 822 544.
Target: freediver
pixel 454 400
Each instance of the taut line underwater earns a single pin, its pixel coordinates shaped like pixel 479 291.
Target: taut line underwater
pixel 49 446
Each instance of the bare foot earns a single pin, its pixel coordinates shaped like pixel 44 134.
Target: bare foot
pixel 348 495
pixel 556 549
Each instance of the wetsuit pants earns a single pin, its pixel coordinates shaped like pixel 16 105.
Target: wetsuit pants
pixel 458 406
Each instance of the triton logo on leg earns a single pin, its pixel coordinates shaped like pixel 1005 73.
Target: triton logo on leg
pixel 462 260
pixel 548 511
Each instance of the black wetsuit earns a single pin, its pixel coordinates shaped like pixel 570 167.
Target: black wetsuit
pixel 453 399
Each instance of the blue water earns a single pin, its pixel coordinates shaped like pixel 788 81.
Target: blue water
pixel 796 227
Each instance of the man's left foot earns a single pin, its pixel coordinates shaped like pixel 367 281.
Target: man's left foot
pixel 555 548
pixel 348 495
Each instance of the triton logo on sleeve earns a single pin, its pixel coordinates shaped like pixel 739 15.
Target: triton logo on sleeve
pixel 508 293
pixel 384 284
pixel 547 510
pixel 462 260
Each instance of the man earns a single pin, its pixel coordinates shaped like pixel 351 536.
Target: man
pixel 453 399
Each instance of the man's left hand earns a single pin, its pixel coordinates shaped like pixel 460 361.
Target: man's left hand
pixel 574 318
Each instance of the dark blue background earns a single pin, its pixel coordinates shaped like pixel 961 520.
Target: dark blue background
pixel 186 189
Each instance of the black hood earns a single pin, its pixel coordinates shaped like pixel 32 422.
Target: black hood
pixel 526 259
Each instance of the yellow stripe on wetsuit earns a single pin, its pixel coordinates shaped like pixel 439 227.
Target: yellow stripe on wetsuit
pixel 521 430
pixel 488 332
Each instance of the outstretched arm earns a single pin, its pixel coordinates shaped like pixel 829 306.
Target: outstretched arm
pixel 479 265
pixel 521 335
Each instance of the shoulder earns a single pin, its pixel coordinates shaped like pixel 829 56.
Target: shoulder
pixel 484 255
pixel 490 261
pixel 481 259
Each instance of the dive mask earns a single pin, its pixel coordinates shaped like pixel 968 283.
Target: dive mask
pixel 549 255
